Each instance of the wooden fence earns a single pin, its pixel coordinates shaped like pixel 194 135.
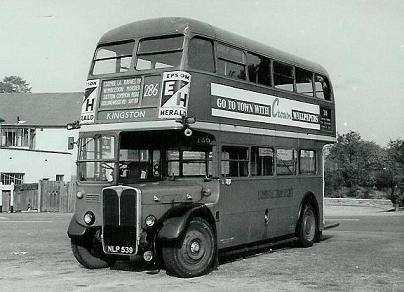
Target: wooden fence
pixel 46 196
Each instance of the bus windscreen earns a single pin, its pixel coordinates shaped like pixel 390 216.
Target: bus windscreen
pixel 159 53
pixel 113 58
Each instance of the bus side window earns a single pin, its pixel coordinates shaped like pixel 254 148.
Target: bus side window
pixel 200 54
pixel 259 69
pixel 234 161
pixel 286 161
pixel 307 162
pixel 262 161
pixel 304 82
pixel 283 76
pixel 322 87
pixel 231 62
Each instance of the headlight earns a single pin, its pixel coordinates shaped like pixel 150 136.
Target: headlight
pixel 150 220
pixel 79 195
pixel 89 218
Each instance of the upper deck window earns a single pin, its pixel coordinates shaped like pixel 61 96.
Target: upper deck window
pixel 259 69
pixel 322 87
pixel 304 82
pixel 231 62
pixel 283 76
pixel 200 54
pixel 113 58
pixel 159 53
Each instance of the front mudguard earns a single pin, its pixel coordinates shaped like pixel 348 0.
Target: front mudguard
pixel 174 227
pixel 175 222
pixel 77 231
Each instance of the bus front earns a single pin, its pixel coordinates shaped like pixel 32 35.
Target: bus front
pixel 140 167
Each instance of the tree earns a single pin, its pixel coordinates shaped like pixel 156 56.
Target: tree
pixel 354 162
pixel 394 170
pixel 12 84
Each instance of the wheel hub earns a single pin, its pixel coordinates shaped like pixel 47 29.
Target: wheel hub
pixel 309 225
pixel 195 247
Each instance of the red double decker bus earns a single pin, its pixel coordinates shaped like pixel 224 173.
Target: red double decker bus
pixel 196 141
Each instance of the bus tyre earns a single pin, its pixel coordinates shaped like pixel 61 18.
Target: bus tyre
pixel 307 226
pixel 195 252
pixel 90 254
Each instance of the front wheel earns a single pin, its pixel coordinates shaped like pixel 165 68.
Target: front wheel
pixel 89 253
pixel 307 226
pixel 195 253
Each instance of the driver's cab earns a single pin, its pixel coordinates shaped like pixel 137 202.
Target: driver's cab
pixel 134 157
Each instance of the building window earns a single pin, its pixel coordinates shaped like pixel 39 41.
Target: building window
pixel 286 160
pixel 307 162
pixel 70 143
pixel 283 76
pixel 262 161
pixel 259 69
pixel 234 161
pixel 231 62
pixel 18 137
pixel 200 55
pixel 8 178
pixel 59 177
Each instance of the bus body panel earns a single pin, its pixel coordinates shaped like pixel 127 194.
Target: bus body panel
pixel 242 209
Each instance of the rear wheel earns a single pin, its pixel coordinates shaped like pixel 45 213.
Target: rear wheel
pixel 89 253
pixel 307 226
pixel 195 253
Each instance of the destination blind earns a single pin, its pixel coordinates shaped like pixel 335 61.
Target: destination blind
pixel 120 93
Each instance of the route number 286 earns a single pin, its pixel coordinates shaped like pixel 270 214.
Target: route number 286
pixel 151 89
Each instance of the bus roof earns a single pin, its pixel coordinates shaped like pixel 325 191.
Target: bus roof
pixel 179 25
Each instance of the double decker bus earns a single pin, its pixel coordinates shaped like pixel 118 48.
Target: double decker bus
pixel 195 141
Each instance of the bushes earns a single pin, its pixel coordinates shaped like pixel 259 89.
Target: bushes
pixel 362 169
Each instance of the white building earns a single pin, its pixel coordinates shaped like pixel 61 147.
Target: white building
pixel 34 141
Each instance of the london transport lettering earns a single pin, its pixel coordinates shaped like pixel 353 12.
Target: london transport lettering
pixel 274 194
pixel 235 103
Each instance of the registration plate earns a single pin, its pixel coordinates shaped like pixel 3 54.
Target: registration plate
pixel 120 249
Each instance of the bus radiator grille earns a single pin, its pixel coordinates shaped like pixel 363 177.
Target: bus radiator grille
pixel 119 217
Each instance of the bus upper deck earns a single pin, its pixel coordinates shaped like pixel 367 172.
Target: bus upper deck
pixel 163 69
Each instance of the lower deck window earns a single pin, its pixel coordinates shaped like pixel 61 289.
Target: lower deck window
pixel 234 161
pixel 286 160
pixel 307 162
pixel 262 161
pixel 189 163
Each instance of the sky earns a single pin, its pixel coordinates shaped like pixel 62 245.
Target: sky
pixel 50 44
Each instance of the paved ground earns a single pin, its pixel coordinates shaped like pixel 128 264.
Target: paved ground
pixel 365 253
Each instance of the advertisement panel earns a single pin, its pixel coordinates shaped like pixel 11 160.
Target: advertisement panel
pixel 175 95
pixel 89 102
pixel 236 103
